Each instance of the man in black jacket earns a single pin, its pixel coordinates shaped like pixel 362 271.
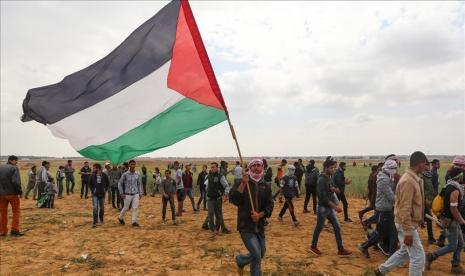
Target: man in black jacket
pixel 251 216
pixel 327 208
pixel 10 193
pixel 99 184
pixel 311 177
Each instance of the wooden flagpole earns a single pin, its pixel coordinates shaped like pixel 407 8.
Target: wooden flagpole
pixel 233 133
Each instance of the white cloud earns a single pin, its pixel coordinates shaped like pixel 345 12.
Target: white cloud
pixel 298 77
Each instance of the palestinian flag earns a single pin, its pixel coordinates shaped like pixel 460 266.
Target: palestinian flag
pixel 155 89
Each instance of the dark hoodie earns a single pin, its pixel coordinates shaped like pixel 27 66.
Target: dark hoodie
pixel 262 201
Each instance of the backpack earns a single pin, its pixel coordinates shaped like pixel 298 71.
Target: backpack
pixel 438 203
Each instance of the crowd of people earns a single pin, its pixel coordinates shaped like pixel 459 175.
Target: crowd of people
pixel 400 204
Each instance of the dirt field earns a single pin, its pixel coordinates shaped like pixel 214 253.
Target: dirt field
pixel 57 239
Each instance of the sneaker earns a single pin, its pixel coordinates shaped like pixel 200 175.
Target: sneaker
pixel 121 221
pixel 428 261
pixel 348 220
pixel 174 222
pixel 314 250
pixel 205 227
pixel 306 211
pixel 240 271
pixel 296 223
pixel 432 241
pixel 94 225
pixel 378 273
pixel 344 253
pixel 363 250
pixel 457 270
pixel 135 224
pixel 226 231
pixel 280 218
pixel 163 222
pixel 15 233
pixel 384 251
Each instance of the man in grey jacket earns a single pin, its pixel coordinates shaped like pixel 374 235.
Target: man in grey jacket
pixel 385 197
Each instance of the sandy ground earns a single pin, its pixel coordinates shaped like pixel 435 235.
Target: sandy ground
pixel 57 239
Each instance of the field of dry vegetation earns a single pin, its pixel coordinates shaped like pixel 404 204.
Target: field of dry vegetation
pixel 62 241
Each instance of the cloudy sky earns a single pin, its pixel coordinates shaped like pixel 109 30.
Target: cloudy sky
pixel 299 78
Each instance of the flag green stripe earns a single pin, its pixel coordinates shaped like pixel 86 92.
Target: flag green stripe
pixel 183 119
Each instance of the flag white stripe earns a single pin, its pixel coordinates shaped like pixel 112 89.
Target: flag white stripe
pixel 116 115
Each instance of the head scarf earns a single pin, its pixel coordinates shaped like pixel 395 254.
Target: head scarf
pixel 390 168
pixel 255 176
pixel 291 170
pixel 459 160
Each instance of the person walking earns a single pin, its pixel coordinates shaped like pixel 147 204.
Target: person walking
pixel 371 195
pixel 180 193
pixel 217 187
pixel 98 184
pixel 60 176
pixel 251 215
pixel 289 185
pixel 144 178
pixel 187 180
pixel 202 177
pixel 427 177
pixel 31 183
pixel 326 206
pixel 69 173
pixel 43 177
pixel 114 175
pixel 386 237
pixel 85 173
pixel 10 193
pixel 237 172
pixel 409 209
pixel 130 188
pixel 168 189
pixel 157 180
pixel 340 181
pixel 311 178
pixel 451 219
pixel 299 173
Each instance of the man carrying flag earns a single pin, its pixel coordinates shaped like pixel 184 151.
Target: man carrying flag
pixel 251 215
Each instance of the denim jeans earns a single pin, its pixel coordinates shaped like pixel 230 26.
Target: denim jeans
pixel 165 202
pixel 373 219
pixel 324 213
pixel 255 243
pixel 60 187
pixel 70 188
pixel 84 186
pixel 455 244
pixel 203 197
pixel 214 210
pixel 190 193
pixel 97 208
pixel 415 253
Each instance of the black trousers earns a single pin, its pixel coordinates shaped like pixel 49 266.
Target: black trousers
pixel 165 202
pixel 288 205
pixel 116 197
pixel 310 191
pixel 84 186
pixel 342 197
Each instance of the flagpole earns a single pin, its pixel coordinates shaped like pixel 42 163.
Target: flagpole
pixel 233 133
